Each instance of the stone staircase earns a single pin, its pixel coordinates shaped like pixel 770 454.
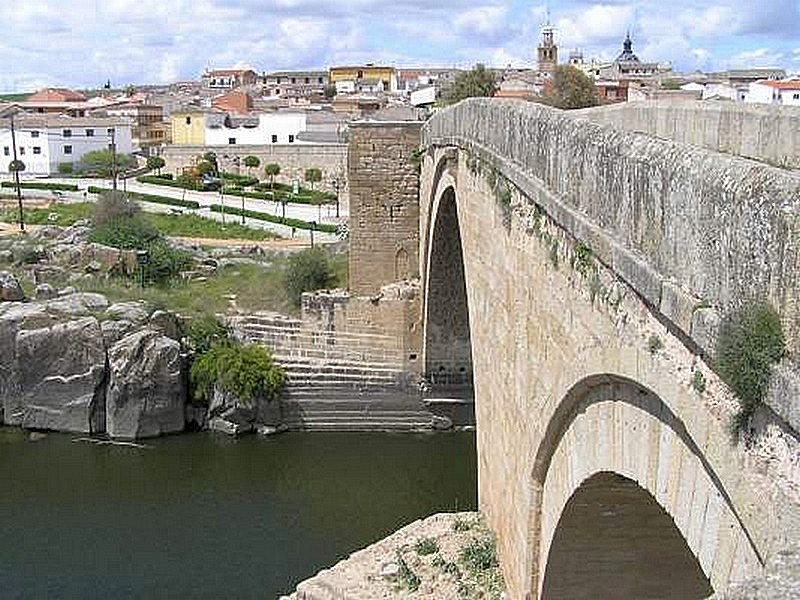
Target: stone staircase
pixel 338 381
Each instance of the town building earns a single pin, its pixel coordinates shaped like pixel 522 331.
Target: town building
pixel 522 84
pixel 236 102
pixel 785 92
pixel 227 79
pixel 143 117
pixel 365 78
pixel 44 142
pixel 214 128
pixel 316 79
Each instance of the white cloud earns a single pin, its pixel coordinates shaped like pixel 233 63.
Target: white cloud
pixel 483 21
pixel 595 25
pixel 760 57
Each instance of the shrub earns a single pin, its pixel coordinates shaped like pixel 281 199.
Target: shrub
pixel 262 216
pixel 205 331
pixel 750 340
pixel 246 372
pixel 479 555
pixel 406 576
pixel 425 546
pixel 654 344
pixel 139 197
pixel 307 271
pixel 65 168
pixel 165 261
pixel 699 382
pixel 118 222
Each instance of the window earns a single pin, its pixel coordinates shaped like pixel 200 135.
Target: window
pixel 67 149
pixel 37 149
pixel 294 80
pixel 34 134
pixel 90 133
pixel 7 150
pixel 361 74
pixel 110 131
pixel 22 150
pixel 231 141
pixel 67 133
pixel 319 80
pixel 274 140
pixel 188 120
pixel 291 138
pixel 307 80
pixel 796 97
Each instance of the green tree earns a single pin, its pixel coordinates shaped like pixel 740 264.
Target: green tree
pixel 477 82
pixel 572 88
pixel 155 163
pixel 313 175
pixel 211 158
pixel 103 162
pixel 307 271
pixel 330 91
pixel 16 166
pixel 251 162
pixel 205 167
pixel 272 170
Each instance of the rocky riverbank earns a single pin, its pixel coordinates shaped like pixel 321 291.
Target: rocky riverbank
pixel 445 556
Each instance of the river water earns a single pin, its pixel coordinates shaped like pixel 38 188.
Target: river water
pixel 206 516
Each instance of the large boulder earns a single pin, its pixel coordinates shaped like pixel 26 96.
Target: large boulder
pixel 59 378
pixel 147 388
pixel 10 290
pixel 77 303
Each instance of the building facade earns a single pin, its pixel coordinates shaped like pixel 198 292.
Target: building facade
pixel 227 79
pixel 350 78
pixel 46 142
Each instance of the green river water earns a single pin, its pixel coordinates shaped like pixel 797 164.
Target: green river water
pixel 206 516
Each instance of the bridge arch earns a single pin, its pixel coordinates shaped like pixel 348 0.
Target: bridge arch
pixel 447 349
pixel 613 446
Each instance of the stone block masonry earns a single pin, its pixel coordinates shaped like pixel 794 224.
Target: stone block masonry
pixel 293 159
pixel 384 205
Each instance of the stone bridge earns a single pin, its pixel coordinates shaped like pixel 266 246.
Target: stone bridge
pixel 576 275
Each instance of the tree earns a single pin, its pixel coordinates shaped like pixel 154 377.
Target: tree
pixel 103 162
pixel 313 175
pixel 572 88
pixel 211 158
pixel 330 91
pixel 480 81
pixel 272 170
pixel 16 166
pixel 205 167
pixel 307 270
pixel 155 163
pixel 251 162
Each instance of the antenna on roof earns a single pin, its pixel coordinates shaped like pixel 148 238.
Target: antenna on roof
pixel 547 15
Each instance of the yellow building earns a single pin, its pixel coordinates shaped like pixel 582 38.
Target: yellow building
pixel 368 72
pixel 188 127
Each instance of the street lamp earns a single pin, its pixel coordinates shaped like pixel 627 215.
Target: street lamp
pixel 236 160
pixel 336 184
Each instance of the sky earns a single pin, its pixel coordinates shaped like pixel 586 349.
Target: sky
pixel 83 43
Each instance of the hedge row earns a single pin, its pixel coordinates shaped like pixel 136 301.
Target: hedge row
pixel 151 198
pixel 37 185
pixel 279 196
pixel 241 180
pixel 156 180
pixel 262 216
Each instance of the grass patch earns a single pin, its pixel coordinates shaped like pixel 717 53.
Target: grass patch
pixel 255 287
pixel 479 555
pixel 405 576
pixel 63 215
pixel 654 344
pixel 201 227
pixel 262 216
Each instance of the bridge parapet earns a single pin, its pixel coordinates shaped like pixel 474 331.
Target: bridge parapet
pixel 686 227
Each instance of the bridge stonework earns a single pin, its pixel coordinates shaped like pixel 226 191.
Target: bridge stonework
pixel 589 258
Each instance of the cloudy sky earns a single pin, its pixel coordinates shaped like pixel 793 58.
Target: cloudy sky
pixel 82 43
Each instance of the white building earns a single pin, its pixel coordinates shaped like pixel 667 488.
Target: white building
pixel 785 92
pixel 44 142
pixel 255 130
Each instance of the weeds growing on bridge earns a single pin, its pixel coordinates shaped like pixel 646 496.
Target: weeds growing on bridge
pixel 699 382
pixel 751 340
pixel 654 344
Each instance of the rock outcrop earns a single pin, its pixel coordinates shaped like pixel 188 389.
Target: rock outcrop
pixel 147 390
pixel 60 378
pixel 10 290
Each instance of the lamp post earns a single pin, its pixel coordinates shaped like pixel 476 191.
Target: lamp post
pixel 336 184
pixel 142 259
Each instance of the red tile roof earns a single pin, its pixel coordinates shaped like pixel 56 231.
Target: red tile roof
pixel 785 84
pixel 57 95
